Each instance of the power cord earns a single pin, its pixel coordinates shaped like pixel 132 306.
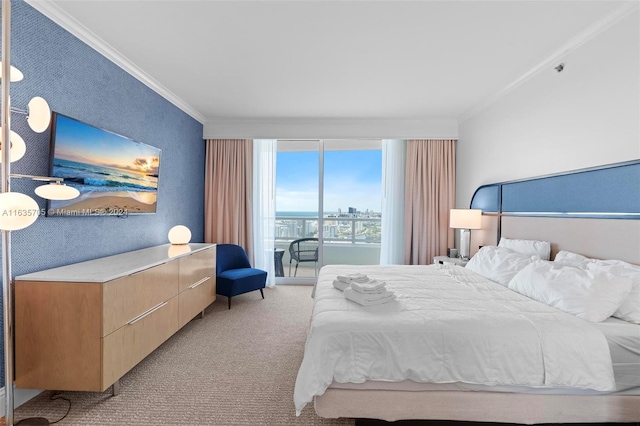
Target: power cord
pixel 41 420
pixel 59 396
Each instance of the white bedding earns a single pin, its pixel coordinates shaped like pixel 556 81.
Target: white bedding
pixel 447 325
pixel 624 346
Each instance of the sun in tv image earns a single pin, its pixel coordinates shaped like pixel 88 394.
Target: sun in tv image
pixel 114 174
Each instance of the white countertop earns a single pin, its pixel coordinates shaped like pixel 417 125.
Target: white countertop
pixel 112 267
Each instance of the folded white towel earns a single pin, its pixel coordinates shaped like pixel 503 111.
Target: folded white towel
pixel 369 299
pixel 350 278
pixel 372 287
pixel 340 285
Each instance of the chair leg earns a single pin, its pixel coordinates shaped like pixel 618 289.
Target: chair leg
pixel 229 299
pixel 295 274
pixel 289 267
pixel 262 293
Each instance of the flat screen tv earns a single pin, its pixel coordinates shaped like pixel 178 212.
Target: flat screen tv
pixel 114 174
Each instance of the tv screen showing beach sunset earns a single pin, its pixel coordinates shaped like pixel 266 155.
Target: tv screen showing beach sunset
pixel 115 175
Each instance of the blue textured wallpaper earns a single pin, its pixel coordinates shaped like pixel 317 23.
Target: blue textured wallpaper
pixel 80 83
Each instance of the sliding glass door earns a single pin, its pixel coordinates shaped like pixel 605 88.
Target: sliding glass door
pixel 328 203
pixel 352 177
pixel 297 206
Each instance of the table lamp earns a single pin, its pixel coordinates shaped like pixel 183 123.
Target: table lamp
pixel 465 220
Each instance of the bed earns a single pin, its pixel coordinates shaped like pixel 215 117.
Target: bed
pixel 455 345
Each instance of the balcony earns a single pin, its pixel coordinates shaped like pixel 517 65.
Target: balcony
pixel 347 240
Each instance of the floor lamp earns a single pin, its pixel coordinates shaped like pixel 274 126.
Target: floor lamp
pixel 17 210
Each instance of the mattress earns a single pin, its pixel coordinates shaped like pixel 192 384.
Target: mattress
pixel 435 294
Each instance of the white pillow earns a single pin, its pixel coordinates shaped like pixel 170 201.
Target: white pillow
pixel 571 259
pixel 590 295
pixel 528 247
pixel 498 264
pixel 629 310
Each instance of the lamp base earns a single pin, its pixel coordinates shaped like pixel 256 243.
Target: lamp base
pixel 465 241
pixel 33 421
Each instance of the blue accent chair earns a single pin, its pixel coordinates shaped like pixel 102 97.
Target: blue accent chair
pixel 234 274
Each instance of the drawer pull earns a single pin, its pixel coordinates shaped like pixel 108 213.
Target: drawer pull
pixel 200 282
pixel 150 311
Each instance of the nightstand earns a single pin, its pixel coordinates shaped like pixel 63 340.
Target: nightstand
pixel 451 260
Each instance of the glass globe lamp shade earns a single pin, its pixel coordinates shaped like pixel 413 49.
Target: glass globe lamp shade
pixel 17 211
pixel 15 74
pixel 39 114
pixel 57 191
pixel 18 147
pixel 179 234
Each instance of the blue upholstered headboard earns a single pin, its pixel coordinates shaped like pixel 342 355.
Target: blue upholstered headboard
pixel 570 201
pixel 611 191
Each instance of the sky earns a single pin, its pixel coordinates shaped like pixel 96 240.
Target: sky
pixel 352 179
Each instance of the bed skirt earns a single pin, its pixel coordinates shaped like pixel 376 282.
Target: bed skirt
pixel 477 406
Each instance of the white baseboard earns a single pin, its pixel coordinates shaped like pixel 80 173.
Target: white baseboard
pixel 20 396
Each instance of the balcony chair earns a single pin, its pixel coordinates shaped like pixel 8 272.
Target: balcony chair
pixel 234 274
pixel 303 250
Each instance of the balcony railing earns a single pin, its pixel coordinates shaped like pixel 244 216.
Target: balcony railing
pixel 349 230
pixel 347 240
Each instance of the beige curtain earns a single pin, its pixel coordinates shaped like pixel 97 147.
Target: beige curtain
pixel 430 181
pixel 228 193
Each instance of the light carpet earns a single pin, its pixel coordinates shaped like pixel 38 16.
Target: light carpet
pixel 233 367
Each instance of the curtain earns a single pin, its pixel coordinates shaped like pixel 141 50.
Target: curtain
pixel 393 172
pixel 264 206
pixel 429 195
pixel 228 193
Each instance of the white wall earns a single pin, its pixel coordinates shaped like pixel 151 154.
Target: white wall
pixel 585 116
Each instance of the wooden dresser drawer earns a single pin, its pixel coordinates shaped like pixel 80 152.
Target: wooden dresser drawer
pixel 195 298
pixel 127 346
pixel 197 266
pixel 57 341
pixel 127 297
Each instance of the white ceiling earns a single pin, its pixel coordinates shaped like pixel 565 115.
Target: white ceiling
pixel 329 59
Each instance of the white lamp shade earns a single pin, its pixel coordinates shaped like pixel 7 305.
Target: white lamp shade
pixel 178 250
pixel 56 191
pixel 179 234
pixel 18 147
pixel 15 74
pixel 465 218
pixel 39 114
pixel 17 211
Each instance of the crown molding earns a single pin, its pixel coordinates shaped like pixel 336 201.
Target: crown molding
pixel 66 21
pixel 589 33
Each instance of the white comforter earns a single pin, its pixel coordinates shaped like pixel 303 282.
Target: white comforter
pixel 446 325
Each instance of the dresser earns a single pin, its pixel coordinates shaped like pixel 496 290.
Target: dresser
pixel 81 327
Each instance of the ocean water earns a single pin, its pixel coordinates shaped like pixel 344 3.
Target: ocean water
pixel 298 214
pixel 88 178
